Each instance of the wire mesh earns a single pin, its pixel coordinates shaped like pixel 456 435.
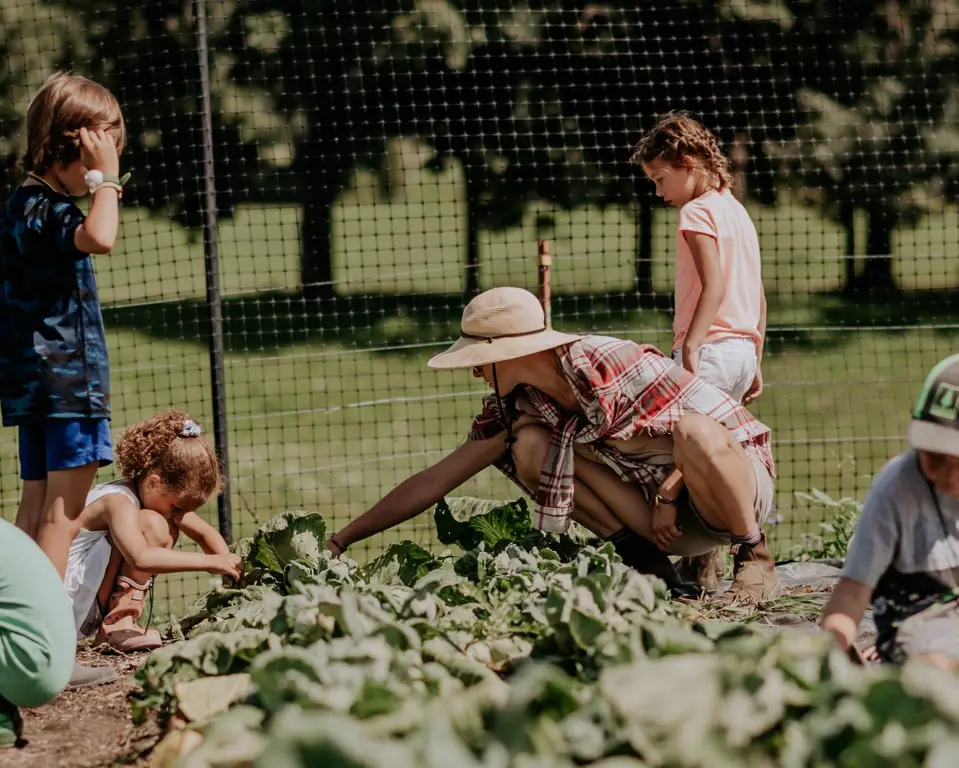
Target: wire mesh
pixel 375 163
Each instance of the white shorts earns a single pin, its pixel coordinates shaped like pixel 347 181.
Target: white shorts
pixel 86 566
pixel 728 364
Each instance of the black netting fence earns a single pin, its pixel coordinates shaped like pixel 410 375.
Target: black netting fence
pixel 374 163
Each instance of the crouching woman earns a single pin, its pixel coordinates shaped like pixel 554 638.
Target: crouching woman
pixel 606 432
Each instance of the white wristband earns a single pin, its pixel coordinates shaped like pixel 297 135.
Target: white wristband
pixel 107 185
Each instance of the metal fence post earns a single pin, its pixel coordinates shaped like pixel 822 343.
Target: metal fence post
pixel 212 261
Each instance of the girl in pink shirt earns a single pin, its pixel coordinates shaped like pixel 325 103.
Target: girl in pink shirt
pixel 720 318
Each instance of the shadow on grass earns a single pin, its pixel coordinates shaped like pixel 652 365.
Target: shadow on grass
pixel 268 321
pixel 830 320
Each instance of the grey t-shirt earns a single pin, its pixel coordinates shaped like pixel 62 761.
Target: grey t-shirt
pixel 901 527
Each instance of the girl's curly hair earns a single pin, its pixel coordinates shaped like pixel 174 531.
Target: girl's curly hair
pixel 169 445
pixel 678 135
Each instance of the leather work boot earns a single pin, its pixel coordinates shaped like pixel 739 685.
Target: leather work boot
pixel 119 630
pixel 706 570
pixel 755 580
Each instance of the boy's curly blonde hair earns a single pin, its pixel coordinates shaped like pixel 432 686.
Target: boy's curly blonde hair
pixel 678 135
pixel 169 445
pixel 65 104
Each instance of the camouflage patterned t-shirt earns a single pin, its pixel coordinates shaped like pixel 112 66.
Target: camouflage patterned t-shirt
pixel 53 353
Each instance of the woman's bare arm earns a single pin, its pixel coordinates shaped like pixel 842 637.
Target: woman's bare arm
pixel 421 491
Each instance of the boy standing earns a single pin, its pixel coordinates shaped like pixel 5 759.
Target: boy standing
pixel 54 373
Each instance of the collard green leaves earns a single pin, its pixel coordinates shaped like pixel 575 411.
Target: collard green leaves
pixel 292 536
pixel 526 651
pixel 465 522
pixel 403 562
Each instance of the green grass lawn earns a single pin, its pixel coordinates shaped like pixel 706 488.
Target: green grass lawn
pixel 332 424
pixel 416 246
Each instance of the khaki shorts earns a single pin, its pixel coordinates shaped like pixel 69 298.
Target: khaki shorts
pixel 699 537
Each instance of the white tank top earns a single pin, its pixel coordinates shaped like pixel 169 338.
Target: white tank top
pixel 117 486
pixel 88 559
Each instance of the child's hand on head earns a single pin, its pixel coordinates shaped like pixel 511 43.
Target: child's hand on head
pixel 98 151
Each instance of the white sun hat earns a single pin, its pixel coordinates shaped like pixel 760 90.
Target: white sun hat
pixel 501 324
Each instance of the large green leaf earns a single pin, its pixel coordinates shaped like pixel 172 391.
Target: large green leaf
pixel 242 547
pixel 208 654
pixel 466 522
pixel 299 739
pixel 233 739
pixel 216 601
pixel 292 536
pixel 199 700
pixel 673 726
pixel 403 562
pixel 253 613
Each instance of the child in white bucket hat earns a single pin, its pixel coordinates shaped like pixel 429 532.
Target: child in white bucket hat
pixel 904 556
pixel 606 432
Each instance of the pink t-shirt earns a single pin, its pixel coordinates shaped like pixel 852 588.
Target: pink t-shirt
pixel 723 217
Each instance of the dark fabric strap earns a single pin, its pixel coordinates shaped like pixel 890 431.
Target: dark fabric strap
pixel 749 539
pixel 505 414
pixel 491 339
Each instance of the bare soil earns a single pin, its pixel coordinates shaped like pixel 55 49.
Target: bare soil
pixel 88 728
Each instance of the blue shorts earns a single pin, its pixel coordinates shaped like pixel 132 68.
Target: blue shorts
pixel 54 444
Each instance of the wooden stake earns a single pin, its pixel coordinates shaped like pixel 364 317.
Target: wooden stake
pixel 544 263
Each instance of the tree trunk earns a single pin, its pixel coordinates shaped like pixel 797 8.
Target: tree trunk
pixel 643 282
pixel 847 219
pixel 321 184
pixel 473 177
pixel 877 276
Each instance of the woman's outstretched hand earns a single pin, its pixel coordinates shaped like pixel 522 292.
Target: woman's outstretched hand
pixel 334 546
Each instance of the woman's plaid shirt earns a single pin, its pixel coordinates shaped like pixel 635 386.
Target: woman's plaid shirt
pixel 624 389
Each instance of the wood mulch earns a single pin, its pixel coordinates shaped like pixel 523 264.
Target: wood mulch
pixel 88 728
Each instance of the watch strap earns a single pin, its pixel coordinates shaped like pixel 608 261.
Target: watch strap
pixel 108 185
pixel 121 180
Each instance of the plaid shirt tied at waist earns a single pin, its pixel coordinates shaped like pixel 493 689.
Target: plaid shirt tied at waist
pixel 624 389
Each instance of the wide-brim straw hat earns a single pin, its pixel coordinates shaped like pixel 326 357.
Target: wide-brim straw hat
pixel 501 324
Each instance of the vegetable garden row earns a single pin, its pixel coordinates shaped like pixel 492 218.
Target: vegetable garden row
pixel 525 651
